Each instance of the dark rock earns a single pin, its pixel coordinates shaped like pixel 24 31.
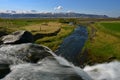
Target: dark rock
pixel 2 33
pixel 4 70
pixel 18 37
pixel 28 52
pixel 47 69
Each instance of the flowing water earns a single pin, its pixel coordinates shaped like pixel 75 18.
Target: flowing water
pixel 78 70
pixel 46 69
pixel 73 44
pixel 105 71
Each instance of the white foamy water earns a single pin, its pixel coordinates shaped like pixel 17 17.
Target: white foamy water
pixel 105 71
pixel 78 70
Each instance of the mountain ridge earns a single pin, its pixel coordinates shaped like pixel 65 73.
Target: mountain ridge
pixel 50 15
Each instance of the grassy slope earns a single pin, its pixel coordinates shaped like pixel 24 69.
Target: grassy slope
pixel 105 44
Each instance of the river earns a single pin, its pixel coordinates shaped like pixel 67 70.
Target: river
pixel 72 45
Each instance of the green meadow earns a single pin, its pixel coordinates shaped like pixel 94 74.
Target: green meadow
pixel 103 44
pixel 112 26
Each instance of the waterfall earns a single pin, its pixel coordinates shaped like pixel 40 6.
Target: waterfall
pixel 78 70
pixel 105 71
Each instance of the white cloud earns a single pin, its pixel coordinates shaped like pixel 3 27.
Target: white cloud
pixel 58 8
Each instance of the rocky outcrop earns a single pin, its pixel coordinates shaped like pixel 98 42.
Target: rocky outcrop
pixel 18 48
pixel 21 53
pixel 18 37
pixel 4 69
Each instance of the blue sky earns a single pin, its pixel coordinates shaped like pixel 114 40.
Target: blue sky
pixel 107 7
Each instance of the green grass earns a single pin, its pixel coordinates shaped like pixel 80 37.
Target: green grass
pixel 114 27
pixel 105 45
pixel 43 28
pixel 19 24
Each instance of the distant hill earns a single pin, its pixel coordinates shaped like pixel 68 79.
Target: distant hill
pixel 50 15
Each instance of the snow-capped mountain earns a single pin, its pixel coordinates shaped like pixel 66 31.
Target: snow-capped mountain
pixel 36 14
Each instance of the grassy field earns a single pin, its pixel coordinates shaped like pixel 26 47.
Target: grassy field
pixel 113 26
pixel 10 25
pixel 104 42
pixel 41 27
